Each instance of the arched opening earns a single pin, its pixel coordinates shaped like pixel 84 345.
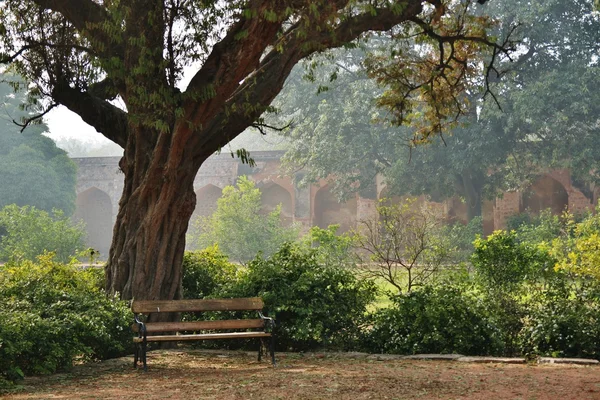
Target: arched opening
pixel 94 208
pixel 328 211
pixel 545 193
pixel 206 201
pixel 457 210
pixel 273 195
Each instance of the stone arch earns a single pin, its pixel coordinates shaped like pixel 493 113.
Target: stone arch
pixel 545 193
pixel 328 211
pixel 206 200
pixel 94 207
pixel 457 210
pixel 272 195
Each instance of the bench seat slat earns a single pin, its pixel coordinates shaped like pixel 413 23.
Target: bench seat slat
pixel 202 325
pixel 205 336
pixel 191 305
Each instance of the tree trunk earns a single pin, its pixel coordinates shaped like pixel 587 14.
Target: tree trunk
pixel 472 185
pixel 158 199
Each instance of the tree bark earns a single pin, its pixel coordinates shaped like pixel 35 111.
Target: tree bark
pixel 149 236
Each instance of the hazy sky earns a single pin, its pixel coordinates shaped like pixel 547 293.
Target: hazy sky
pixel 64 123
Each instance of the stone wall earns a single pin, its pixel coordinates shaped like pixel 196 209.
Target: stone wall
pixel 100 183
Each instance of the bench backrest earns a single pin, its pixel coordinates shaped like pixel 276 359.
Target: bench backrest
pixel 197 305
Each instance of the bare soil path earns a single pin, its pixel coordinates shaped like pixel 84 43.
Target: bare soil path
pixel 191 374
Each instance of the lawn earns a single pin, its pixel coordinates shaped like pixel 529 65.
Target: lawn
pixel 195 374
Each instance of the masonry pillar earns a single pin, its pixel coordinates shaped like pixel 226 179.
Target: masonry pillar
pixel 507 205
pixel 302 203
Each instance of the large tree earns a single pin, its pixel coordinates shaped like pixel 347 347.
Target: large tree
pixel 548 117
pixel 83 53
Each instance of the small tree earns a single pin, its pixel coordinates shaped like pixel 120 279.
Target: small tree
pixel 402 245
pixel 576 248
pixel 26 232
pixel 238 226
pixel 332 249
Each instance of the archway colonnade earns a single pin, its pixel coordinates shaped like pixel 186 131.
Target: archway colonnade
pixel 100 184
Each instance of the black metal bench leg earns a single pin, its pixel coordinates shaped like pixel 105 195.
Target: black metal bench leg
pixel 272 349
pixel 261 346
pixel 136 354
pixel 144 349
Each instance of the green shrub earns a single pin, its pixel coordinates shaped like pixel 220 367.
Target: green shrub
pixel 27 232
pixel 52 313
pixel 503 263
pixel 433 320
pixel 315 305
pixel 206 272
pixel 461 237
pixel 559 325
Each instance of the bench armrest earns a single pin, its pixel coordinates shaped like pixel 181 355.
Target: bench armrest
pixel 268 320
pixel 141 327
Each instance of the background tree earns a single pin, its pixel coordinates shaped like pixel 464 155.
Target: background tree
pixel 403 245
pixel 239 228
pixel 84 53
pixel 33 171
pixel 547 117
pixel 27 233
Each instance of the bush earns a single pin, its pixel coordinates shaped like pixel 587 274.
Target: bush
pixel 52 313
pixel 27 232
pixel 434 320
pixel 562 326
pixel 462 236
pixel 315 305
pixel 206 272
pixel 503 263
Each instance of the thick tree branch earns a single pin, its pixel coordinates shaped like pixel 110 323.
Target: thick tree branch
pixel 260 88
pixel 234 57
pixel 107 119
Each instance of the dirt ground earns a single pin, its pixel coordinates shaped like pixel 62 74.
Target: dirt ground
pixel 191 374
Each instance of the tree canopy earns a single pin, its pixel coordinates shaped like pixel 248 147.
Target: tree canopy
pixel 541 114
pixel 85 53
pixel 33 171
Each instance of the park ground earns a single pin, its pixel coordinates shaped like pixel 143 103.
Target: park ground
pixel 193 374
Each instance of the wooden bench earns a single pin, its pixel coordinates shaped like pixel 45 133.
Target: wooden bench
pixel 260 327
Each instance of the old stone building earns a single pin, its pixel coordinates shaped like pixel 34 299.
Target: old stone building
pixel 100 183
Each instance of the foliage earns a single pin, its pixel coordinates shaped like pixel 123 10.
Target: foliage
pixel 332 249
pixel 503 263
pixel 434 320
pixel 403 243
pixel 206 272
pixel 538 229
pixel 28 232
pixel 576 250
pixel 547 120
pixel 53 313
pixel 239 227
pixel 34 171
pixel 85 54
pixel 562 324
pixel 462 237
pixel 315 305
